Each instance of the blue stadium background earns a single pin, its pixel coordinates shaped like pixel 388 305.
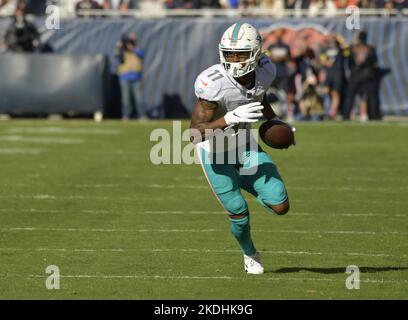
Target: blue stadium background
pixel 178 49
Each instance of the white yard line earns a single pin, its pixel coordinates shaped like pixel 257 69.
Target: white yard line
pixel 205 187
pixel 285 252
pixel 290 213
pixel 356 189
pixel 350 215
pixel 331 188
pixel 193 212
pixel 348 201
pixel 53 197
pixel 356 167
pixel 12 151
pixel 198 212
pixel 48 140
pixel 194 250
pixel 36 183
pixel 353 178
pixel 153 231
pixel 162 277
pixel 173 186
pixel 56 130
pixel 137 212
pixel 172 198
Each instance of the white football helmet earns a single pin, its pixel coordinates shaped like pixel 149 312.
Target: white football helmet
pixel 241 37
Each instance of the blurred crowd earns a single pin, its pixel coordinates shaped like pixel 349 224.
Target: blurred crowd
pixel 22 35
pixel 319 76
pixel 313 7
pixel 324 78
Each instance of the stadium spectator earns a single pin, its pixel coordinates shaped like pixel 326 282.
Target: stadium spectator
pixel 171 4
pixel 8 7
pixel 311 103
pixel 198 4
pixel 342 4
pixel 318 7
pixel 296 4
pixel 313 7
pixel 110 5
pixel 332 74
pixel 215 4
pixel 4 2
pixel 279 52
pixel 396 4
pixel 87 4
pixel 247 4
pixel 130 57
pixel 36 7
pixel 176 4
pixel 306 83
pixel 229 4
pixel 385 4
pixel 149 5
pixel 22 35
pixel 276 5
pixel 123 5
pixel 364 80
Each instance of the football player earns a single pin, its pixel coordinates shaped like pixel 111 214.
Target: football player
pixel 231 94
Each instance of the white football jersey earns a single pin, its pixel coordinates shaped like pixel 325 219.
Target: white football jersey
pixel 214 85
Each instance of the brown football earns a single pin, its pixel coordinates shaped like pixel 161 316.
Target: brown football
pixel 277 134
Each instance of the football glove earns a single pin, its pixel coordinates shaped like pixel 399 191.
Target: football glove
pixel 250 112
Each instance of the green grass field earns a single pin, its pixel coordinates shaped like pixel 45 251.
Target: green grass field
pixel 85 197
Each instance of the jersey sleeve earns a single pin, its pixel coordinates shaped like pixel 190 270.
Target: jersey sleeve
pixel 207 89
pixel 269 69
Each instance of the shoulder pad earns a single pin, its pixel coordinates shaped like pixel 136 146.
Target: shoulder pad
pixel 208 85
pixel 268 68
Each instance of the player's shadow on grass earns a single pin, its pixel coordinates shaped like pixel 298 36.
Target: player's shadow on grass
pixel 337 270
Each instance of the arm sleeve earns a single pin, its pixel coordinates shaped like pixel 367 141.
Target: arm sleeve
pixel 270 68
